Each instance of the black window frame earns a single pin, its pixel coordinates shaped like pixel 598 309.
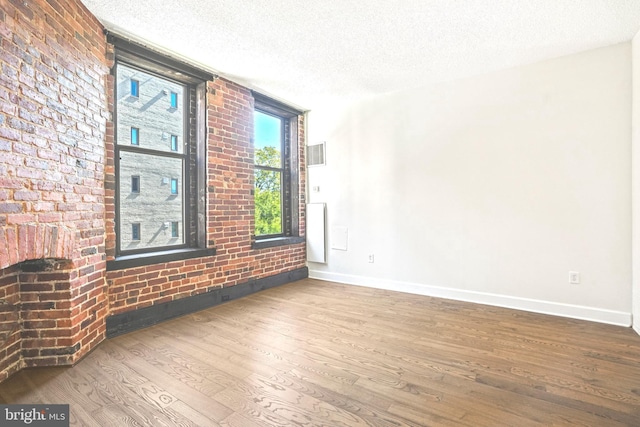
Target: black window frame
pixel 193 186
pixel 290 187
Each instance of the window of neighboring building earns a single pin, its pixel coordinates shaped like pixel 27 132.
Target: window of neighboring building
pixel 275 170
pixel 174 185
pixel 135 88
pixel 174 99
pixel 135 231
pixel 152 160
pixel 135 136
pixel 135 184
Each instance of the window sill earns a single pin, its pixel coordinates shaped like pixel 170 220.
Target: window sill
pixel 137 260
pixel 276 241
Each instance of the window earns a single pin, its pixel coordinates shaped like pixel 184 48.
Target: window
pixel 275 172
pixel 174 99
pixel 135 136
pixel 150 160
pixel 135 184
pixel 135 88
pixel 269 171
pixel 174 174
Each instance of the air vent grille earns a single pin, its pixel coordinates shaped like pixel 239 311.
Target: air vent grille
pixel 316 154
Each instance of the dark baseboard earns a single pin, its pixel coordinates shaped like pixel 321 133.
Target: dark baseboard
pixel 137 319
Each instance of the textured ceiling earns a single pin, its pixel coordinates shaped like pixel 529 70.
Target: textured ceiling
pixel 309 52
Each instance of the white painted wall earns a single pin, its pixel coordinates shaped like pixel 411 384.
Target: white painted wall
pixel 488 189
pixel 635 123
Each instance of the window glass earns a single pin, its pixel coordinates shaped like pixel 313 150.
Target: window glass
pixel 156 205
pixel 135 85
pixel 268 202
pixel 267 140
pixel 268 174
pixel 135 136
pixel 174 185
pixel 174 99
pixel 135 184
pixel 135 231
pixel 148 113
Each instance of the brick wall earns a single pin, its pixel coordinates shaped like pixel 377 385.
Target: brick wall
pixel 52 124
pixel 57 192
pixel 10 332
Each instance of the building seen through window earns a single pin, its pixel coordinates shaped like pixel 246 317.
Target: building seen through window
pixel 150 122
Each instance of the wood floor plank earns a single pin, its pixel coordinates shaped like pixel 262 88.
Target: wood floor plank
pixel 187 374
pixel 315 353
pixel 185 389
pixel 371 407
pixel 240 420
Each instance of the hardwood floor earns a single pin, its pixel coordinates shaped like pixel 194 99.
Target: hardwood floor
pixel 314 353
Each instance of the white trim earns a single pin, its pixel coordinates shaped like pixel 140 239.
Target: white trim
pixel 593 314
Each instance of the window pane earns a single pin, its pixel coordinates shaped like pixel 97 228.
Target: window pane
pixel 135 231
pixel 135 136
pixel 134 87
pixel 150 110
pixel 155 207
pixel 135 184
pixel 268 202
pixel 267 140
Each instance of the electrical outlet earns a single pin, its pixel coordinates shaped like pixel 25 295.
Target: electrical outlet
pixel 371 258
pixel 574 277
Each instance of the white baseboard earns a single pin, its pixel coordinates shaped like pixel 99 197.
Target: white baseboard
pixel 619 318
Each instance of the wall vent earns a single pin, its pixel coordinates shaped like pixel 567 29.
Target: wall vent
pixel 316 155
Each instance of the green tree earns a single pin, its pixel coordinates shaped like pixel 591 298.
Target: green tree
pixel 268 201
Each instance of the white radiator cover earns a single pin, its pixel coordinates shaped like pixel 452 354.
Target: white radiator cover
pixel 316 233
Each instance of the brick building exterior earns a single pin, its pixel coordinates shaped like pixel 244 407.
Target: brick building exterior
pixel 57 194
